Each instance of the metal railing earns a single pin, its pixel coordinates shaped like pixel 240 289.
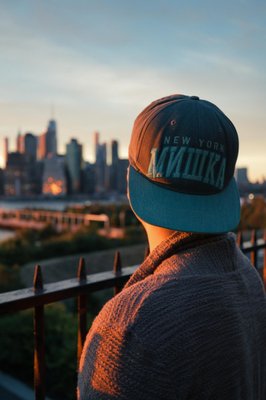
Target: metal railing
pixel 40 295
pixel 252 247
pixel 80 287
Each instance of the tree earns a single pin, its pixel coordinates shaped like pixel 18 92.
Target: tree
pixel 16 343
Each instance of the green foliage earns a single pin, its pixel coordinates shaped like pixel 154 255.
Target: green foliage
pixel 61 343
pixel 135 234
pixel 32 244
pixel 9 278
pixel 34 235
pixel 16 331
pixel 47 232
pixel 27 246
pixel 253 214
pixel 16 343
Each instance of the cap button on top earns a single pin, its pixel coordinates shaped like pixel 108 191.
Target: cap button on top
pixel 194 97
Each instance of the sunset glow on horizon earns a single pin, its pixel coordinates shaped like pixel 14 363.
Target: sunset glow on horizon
pixel 100 63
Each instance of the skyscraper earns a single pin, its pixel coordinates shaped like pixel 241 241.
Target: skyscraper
pixel 241 176
pixel 41 151
pixel 54 178
pixel 6 149
pixel 113 168
pixel 114 152
pixel 74 164
pixel 20 143
pixel 101 167
pixel 16 175
pixel 47 142
pixel 51 140
pixel 122 176
pixel 30 146
pixel 96 143
pixel 88 178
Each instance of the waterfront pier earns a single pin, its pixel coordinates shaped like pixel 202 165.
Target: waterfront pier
pixel 60 220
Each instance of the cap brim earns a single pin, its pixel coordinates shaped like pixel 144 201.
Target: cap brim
pixel 216 213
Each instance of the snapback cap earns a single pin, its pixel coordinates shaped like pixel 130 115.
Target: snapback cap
pixel 182 158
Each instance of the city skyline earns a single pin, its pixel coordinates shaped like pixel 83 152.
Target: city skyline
pixel 36 168
pixel 98 64
pixel 17 144
pixel 95 143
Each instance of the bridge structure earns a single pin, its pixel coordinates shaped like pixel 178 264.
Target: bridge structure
pixel 60 220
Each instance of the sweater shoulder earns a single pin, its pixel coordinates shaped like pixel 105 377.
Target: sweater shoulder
pixel 165 307
pixel 125 307
pixel 158 301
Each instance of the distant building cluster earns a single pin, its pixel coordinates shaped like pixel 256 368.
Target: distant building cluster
pixel 245 186
pixel 36 168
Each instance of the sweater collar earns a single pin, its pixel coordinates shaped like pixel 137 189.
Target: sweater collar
pixel 174 244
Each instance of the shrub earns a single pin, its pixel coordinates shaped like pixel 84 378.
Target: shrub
pixel 16 343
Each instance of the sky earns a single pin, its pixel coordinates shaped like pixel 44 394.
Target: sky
pixel 94 65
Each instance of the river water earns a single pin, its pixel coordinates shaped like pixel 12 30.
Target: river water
pixel 58 205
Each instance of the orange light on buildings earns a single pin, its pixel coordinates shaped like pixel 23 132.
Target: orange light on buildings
pixel 53 187
pixel 42 146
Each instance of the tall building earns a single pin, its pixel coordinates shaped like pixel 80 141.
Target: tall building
pixel 41 146
pixel 38 175
pixel 30 146
pixel 113 168
pixel 114 152
pixel 6 150
pixel 20 143
pixel 54 177
pixel 122 176
pixel 16 175
pixel 51 140
pixel 241 176
pixel 88 178
pixel 74 165
pixel 47 142
pixel 96 143
pixel 101 168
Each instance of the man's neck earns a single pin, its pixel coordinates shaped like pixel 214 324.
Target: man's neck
pixel 156 234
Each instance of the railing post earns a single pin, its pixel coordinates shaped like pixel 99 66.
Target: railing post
pixel 117 268
pixel 253 253
pixel 240 239
pixel 82 309
pixel 39 351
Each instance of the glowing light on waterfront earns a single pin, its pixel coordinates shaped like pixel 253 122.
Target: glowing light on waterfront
pixel 53 187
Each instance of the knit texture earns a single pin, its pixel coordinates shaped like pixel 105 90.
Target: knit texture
pixel 189 325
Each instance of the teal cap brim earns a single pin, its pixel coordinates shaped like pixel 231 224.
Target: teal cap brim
pixel 215 213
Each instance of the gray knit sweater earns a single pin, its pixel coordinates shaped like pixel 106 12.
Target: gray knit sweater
pixel 189 325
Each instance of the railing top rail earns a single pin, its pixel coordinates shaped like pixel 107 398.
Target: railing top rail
pixel 27 298
pixel 246 248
